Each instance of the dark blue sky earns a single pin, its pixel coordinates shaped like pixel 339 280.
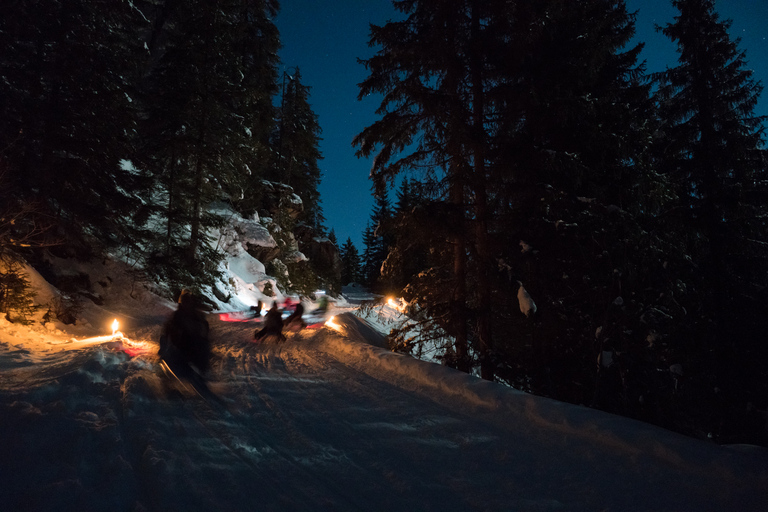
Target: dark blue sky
pixel 325 39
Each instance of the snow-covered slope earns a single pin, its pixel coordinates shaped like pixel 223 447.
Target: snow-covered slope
pixel 329 420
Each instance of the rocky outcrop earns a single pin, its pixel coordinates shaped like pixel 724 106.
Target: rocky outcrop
pixel 322 253
pixel 277 197
pixel 262 253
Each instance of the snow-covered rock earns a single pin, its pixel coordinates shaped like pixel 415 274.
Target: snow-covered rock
pixel 527 305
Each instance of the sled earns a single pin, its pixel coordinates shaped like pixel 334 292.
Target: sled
pixel 241 316
pixel 187 381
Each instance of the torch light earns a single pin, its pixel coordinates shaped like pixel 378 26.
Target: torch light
pixel 116 334
pixel 396 304
pixel 333 325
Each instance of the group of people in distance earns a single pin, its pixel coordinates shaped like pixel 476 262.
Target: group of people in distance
pixel 184 341
pixel 274 323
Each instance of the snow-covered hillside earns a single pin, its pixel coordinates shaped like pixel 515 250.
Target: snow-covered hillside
pixel 329 420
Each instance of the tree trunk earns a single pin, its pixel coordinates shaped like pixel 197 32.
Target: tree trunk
pixel 479 180
pixel 459 297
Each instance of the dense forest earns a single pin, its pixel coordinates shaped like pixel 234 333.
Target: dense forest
pixel 567 222
pixel 121 123
pixel 554 216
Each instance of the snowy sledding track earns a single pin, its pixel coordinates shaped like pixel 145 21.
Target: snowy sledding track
pixel 302 429
pixel 327 422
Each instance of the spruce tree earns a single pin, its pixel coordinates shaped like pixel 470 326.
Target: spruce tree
pixel 370 272
pixel 254 45
pixel 554 174
pixel 479 114
pixel 350 261
pixel 206 101
pixel 405 256
pixel 429 71
pixel 66 104
pixel 298 148
pixel 713 153
pixel 377 238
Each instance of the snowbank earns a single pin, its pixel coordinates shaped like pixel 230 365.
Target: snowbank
pixel 360 346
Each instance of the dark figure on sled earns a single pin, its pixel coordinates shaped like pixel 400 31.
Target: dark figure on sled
pixel 184 343
pixel 274 322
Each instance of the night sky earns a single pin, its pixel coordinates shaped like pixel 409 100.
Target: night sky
pixel 325 39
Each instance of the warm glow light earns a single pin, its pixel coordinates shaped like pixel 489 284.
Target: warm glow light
pixel 115 326
pixel 333 325
pixel 398 305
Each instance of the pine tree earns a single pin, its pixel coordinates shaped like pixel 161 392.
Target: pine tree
pixel 16 293
pixel 67 112
pixel 479 114
pixel 405 257
pixel 298 148
pixel 332 237
pixel 254 46
pixel 350 260
pixel 555 175
pixel 714 155
pixel 369 270
pixel 206 97
pixel 434 72
pixel 377 239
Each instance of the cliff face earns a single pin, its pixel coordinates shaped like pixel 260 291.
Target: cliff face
pixel 278 200
pixel 323 255
pixel 275 238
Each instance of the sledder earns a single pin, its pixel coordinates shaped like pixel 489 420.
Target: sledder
pixel 294 322
pixel 317 317
pixel 273 325
pixel 184 343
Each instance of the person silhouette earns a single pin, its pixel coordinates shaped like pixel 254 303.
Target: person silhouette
pixel 294 322
pixel 273 325
pixel 185 335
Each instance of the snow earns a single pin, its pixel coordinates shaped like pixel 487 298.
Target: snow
pixel 527 306
pixel 329 420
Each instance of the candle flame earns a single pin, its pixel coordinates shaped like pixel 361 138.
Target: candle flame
pixel 115 326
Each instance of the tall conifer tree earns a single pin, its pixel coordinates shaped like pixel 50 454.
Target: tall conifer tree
pixel 714 154
pixel 350 263
pixel 206 100
pixel 430 71
pixel 66 111
pixel 298 148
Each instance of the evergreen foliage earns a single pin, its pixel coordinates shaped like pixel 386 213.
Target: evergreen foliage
pixel 350 263
pixel 298 152
pixel 377 239
pixel 554 171
pixel 125 122
pixel 523 144
pixel 16 293
pixel 332 237
pixel 66 112
pixel 189 94
pixel 713 154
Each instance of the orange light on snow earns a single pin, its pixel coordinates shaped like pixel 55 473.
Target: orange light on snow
pixel 398 305
pixel 333 325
